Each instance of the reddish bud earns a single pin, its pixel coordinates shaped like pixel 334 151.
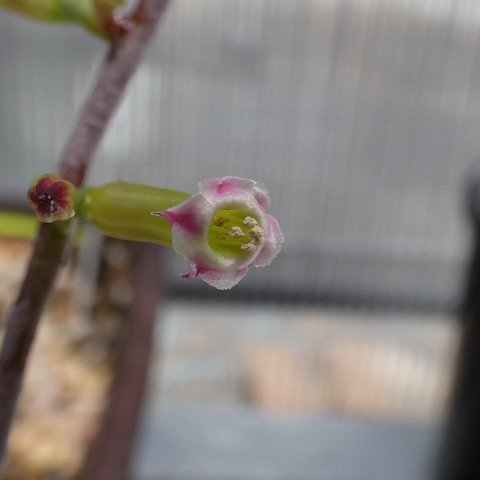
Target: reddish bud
pixel 52 198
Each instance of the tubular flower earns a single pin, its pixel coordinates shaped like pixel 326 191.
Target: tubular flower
pixel 224 229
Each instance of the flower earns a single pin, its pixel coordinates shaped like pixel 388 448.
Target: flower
pixel 52 198
pixel 224 229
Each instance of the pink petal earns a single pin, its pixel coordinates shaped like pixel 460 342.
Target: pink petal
pixel 272 245
pixel 214 189
pixel 189 216
pixel 223 280
pixel 233 186
pixel 261 196
pixel 192 274
pixel 184 218
pixel 274 231
pixel 268 252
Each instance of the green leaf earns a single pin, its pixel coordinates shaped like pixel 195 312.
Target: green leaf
pixel 47 10
pixel 83 12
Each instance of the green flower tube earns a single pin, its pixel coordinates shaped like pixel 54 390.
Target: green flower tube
pixel 124 210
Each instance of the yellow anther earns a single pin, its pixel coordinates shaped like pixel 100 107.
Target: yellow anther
pixel 248 247
pixel 250 222
pixel 236 232
pixel 256 233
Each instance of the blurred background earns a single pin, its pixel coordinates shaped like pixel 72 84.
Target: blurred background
pixel 362 118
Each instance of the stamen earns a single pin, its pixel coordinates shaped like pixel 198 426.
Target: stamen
pixel 250 222
pixel 236 232
pixel 231 229
pixel 248 247
pixel 256 233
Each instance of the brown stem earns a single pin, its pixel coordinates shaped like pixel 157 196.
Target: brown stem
pixel 109 455
pixel 22 321
pixel 114 75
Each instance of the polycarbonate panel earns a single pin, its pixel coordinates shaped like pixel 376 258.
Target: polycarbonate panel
pixel 361 117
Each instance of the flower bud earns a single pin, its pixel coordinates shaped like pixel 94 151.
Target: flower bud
pixel 52 198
